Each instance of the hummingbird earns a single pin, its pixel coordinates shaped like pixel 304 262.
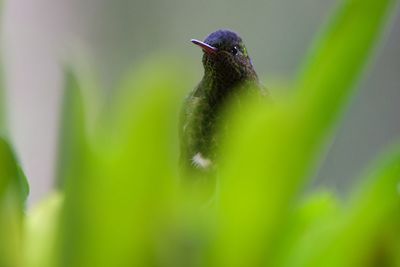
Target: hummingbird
pixel 228 70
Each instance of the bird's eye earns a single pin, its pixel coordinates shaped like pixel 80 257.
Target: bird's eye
pixel 234 50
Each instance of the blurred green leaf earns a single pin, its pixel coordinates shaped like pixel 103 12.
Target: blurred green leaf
pixel 333 67
pixel 72 138
pixel 41 232
pixel 360 236
pixel 117 207
pixel 272 149
pixel 13 192
pixel 11 174
pixel 315 212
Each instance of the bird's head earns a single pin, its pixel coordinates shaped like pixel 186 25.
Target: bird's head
pixel 225 56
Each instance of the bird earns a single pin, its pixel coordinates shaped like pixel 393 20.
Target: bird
pixel 228 71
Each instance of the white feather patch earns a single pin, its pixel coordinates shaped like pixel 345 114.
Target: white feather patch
pixel 201 162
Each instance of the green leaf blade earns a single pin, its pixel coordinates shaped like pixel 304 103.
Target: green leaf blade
pixel 273 149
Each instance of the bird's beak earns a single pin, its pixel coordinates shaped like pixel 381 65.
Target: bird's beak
pixel 206 47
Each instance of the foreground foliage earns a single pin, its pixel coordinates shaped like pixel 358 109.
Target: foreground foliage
pixel 120 201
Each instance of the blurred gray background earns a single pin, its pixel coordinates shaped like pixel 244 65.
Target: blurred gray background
pixel 39 35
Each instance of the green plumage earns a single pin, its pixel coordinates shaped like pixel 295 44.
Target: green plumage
pixel 228 71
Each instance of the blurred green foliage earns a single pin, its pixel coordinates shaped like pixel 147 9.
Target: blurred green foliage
pixel 120 201
pixel 13 192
